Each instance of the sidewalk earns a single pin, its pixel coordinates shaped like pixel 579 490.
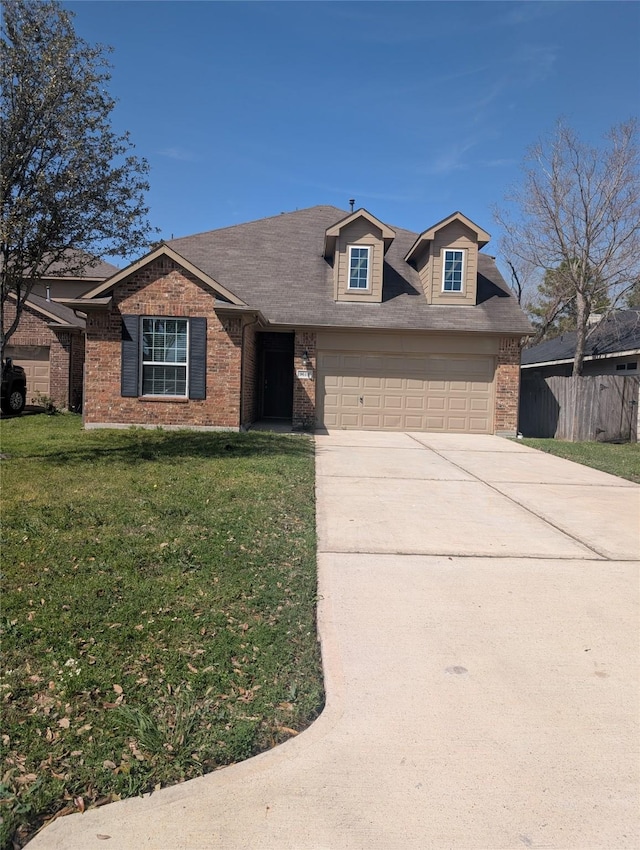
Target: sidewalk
pixel 478 615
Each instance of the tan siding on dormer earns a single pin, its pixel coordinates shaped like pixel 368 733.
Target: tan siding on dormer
pixel 454 235
pixel 359 232
pixel 423 267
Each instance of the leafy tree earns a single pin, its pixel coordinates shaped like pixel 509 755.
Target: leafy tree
pixel 553 310
pixel 71 189
pixel 633 296
pixel 576 217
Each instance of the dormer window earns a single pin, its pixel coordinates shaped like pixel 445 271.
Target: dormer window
pixel 359 267
pixel 453 270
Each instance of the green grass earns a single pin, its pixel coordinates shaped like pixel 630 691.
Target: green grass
pixel 158 609
pixel 621 459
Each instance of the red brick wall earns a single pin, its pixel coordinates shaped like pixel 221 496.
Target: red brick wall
pixel 66 352
pixel 76 378
pixel 304 390
pixel 163 289
pixel 250 376
pixel 507 386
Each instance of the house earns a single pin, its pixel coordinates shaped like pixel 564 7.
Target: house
pixel 604 405
pixel 49 341
pixel 319 317
pixel 612 348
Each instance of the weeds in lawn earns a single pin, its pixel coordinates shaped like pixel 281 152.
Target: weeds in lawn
pixel 158 615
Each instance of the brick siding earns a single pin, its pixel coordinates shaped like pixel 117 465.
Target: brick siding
pixel 163 288
pixel 250 376
pixel 304 389
pixel 66 355
pixel 507 386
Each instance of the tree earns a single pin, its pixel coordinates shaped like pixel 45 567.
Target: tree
pixel 576 214
pixel 71 190
pixel 633 296
pixel 553 310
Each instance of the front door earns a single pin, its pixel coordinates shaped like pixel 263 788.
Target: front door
pixel 278 384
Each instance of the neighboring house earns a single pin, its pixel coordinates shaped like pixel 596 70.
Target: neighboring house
pixel 612 348
pixel 49 341
pixel 320 317
pixel 604 404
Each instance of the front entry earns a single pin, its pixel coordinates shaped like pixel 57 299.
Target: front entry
pixel 277 376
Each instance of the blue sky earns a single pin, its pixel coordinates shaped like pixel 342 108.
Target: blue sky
pixel 415 109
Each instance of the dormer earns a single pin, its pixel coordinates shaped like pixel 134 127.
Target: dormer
pixel 356 246
pixel 446 258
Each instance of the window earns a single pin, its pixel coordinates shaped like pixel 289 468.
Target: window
pixel 620 367
pixel 358 267
pixel 452 271
pixel 164 356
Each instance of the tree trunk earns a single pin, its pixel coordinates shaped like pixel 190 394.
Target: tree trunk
pixel 582 317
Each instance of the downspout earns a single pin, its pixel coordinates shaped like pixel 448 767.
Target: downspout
pixel 244 327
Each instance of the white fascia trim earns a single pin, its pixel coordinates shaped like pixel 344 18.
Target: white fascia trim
pixel 631 353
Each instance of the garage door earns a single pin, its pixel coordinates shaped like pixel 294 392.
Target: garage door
pixel 35 362
pixel 405 392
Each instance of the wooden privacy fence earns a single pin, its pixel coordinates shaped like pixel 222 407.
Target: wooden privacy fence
pixel 593 407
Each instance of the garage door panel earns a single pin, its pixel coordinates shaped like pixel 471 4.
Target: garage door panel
pixel 394 402
pixel 393 383
pixel 34 359
pixel 400 392
pixel 372 401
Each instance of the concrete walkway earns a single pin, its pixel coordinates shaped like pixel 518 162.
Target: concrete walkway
pixel 479 625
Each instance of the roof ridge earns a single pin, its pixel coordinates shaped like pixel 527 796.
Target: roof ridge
pixel 257 221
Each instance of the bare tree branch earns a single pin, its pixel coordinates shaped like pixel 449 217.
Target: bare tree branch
pixel 576 213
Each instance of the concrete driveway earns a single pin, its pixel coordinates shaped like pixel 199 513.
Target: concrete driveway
pixel 479 624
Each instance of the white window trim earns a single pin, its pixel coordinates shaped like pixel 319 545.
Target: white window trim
pixel 142 362
pixel 369 250
pixel 444 268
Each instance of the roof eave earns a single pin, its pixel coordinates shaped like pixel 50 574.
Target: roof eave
pixel 588 357
pixel 85 304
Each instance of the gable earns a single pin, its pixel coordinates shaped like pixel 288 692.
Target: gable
pixel 446 258
pixel 167 258
pixel 356 246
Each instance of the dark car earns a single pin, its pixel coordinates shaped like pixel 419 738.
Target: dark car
pixel 14 388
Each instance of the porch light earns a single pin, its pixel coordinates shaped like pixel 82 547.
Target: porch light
pixel 306 360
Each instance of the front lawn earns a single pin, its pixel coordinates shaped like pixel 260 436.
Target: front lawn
pixel 618 459
pixel 158 609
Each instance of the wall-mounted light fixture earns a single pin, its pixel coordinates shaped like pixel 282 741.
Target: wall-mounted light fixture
pixel 306 360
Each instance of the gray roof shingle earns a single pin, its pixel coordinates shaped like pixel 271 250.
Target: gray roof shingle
pixel 619 331
pixel 64 315
pixel 276 265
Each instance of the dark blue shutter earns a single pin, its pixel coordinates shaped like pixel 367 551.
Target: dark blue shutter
pixel 198 358
pixel 130 355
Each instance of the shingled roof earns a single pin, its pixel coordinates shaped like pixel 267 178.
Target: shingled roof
pixel 57 314
pixel 276 265
pixel 618 332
